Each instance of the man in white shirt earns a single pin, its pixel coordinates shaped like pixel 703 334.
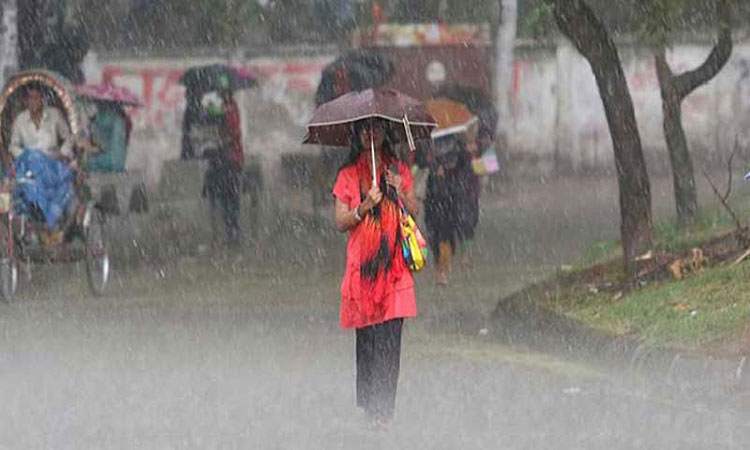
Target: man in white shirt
pixel 41 127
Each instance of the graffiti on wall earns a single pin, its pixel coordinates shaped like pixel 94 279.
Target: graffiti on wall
pixel 557 110
pixel 555 104
pixel 162 96
pixel 288 83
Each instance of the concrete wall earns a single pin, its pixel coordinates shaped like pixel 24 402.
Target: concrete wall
pixel 559 122
pixel 558 119
pixel 273 115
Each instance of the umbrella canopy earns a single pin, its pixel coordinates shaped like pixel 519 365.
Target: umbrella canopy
pixel 353 71
pixel 244 78
pixel 108 93
pixel 332 121
pixel 216 77
pixel 478 102
pixel 452 117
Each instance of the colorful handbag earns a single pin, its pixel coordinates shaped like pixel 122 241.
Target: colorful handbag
pixel 487 163
pixel 413 244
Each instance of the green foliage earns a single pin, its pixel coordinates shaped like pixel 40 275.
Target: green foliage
pixel 167 23
pixel 186 23
pixel 217 21
pixel 711 306
pixel 450 11
pixel 535 20
pixel 653 21
pixel 657 21
pixel 461 11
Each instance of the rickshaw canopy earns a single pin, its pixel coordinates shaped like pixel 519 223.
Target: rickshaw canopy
pixel 59 85
pixel 107 92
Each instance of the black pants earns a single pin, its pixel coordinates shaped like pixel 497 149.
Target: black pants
pixel 378 363
pixel 222 186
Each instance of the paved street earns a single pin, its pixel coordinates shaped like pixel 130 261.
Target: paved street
pixel 244 351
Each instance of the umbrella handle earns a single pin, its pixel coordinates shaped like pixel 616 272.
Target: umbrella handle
pixel 409 136
pixel 372 153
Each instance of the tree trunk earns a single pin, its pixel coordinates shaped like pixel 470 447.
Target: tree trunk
pixel 506 37
pixel 579 23
pixel 674 89
pixel 686 199
pixel 683 176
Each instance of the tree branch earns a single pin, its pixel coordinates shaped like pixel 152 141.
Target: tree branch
pixel 687 82
pixel 724 199
pixel 663 71
pixel 729 167
pixel 579 23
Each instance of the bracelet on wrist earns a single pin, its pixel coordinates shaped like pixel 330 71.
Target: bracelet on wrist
pixel 357 214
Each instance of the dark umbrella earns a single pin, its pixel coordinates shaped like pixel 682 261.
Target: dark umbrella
pixel 216 77
pixel 244 78
pixel 201 79
pixel 353 71
pixel 332 121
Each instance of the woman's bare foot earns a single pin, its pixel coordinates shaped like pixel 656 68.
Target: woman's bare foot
pixel 379 423
pixel 442 278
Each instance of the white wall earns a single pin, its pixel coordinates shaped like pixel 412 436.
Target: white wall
pixel 559 122
pixel 274 114
pixel 558 118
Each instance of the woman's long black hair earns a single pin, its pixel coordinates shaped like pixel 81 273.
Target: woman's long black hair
pixel 356 146
pixel 355 150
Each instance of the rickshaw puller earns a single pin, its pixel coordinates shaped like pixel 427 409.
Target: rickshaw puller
pixel 41 127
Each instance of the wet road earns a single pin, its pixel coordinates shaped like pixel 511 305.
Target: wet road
pixel 246 353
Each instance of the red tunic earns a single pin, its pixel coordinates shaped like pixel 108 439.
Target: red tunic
pixel 400 299
pixel 233 133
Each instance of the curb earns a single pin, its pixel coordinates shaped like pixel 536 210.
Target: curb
pixel 518 320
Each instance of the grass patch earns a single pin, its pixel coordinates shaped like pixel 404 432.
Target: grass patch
pixel 689 314
pixel 599 252
pixel 695 313
pixel 668 236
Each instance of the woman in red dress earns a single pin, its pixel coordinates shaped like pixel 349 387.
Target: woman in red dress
pixel 377 292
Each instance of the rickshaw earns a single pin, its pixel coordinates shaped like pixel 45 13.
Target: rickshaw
pixel 25 238
pixel 107 108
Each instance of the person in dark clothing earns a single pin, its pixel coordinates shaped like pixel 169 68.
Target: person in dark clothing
pixel 189 118
pixel 223 178
pixel 451 203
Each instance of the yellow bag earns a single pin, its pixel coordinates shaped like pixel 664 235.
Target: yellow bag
pixel 413 244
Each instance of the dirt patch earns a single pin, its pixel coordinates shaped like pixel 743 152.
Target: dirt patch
pixel 662 264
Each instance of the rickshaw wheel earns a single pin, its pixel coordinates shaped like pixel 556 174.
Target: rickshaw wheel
pixel 8 263
pixel 97 256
